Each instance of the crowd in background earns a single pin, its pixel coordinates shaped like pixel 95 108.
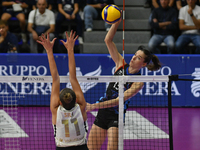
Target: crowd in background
pixel 38 17
pixel 174 22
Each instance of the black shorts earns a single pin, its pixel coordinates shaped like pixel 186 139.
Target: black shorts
pixel 106 118
pixel 80 147
pixel 13 13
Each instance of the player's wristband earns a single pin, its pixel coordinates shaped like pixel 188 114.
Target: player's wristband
pixel 191 14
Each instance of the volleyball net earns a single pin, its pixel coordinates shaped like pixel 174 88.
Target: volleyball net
pixel 25 117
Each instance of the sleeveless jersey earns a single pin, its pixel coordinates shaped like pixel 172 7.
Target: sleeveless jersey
pixel 113 87
pixel 70 128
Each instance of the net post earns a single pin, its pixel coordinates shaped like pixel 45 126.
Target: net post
pixel 121 115
pixel 170 112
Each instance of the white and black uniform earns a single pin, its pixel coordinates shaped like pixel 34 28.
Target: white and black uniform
pixel 70 129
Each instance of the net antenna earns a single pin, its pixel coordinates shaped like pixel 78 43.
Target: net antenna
pixel 123 17
pixel 121 91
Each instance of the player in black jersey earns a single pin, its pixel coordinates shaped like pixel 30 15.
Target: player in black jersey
pixel 106 122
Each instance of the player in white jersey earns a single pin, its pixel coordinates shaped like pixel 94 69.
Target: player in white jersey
pixel 67 106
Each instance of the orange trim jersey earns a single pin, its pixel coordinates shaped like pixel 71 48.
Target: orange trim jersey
pixel 113 87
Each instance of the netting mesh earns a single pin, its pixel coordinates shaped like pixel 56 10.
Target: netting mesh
pixel 25 117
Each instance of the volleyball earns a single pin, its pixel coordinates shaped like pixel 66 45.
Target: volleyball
pixel 111 14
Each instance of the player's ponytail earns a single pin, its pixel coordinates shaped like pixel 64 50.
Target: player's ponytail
pixel 154 64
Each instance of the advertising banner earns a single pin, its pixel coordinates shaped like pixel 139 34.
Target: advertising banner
pixel 184 93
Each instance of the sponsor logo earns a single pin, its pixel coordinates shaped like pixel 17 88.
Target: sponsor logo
pixel 195 86
pixel 92 78
pixel 87 86
pixel 22 70
pixel 32 79
pixel 24 78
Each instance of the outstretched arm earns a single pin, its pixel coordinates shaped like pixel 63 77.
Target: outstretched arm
pixel 135 88
pixel 116 56
pixel 55 101
pixel 69 45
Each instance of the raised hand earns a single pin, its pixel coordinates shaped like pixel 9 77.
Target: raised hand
pixel 47 44
pixel 69 44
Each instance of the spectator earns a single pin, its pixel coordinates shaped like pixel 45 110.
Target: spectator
pixel 14 8
pixel 50 4
pixel 164 24
pixel 182 3
pixel 93 11
pixel 156 4
pixel 40 21
pixel 68 10
pixel 189 24
pixel 8 41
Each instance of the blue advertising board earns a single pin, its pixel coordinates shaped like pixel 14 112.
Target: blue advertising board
pixel 184 93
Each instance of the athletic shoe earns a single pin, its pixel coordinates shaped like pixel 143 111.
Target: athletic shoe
pixel 89 29
pixel 80 40
pixel 107 29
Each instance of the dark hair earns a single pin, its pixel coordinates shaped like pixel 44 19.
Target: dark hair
pixel 2 22
pixel 68 98
pixel 152 60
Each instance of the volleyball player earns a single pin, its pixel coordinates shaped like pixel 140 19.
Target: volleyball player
pixel 106 121
pixel 67 106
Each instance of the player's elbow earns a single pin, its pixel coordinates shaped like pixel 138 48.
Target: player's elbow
pixel 107 40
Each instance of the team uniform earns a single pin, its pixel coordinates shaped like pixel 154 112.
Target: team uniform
pixel 70 129
pixel 108 117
